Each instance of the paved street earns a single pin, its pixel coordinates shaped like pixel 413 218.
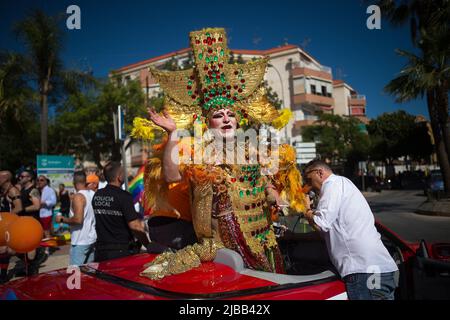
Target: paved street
pixel 395 209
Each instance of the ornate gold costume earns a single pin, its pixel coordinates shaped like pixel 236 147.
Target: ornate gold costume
pixel 228 202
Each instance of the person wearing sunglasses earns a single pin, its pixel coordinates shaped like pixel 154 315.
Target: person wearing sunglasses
pixel 31 198
pixel 346 222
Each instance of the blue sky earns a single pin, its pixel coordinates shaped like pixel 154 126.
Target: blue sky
pixel 116 33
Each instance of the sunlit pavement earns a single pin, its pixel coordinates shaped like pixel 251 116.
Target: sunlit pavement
pixel 395 209
pixel 57 260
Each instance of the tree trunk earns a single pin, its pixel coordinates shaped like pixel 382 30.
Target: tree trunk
pixel 441 149
pixel 44 90
pixel 44 119
pixel 444 119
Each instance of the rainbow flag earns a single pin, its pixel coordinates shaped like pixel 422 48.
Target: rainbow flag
pixel 136 186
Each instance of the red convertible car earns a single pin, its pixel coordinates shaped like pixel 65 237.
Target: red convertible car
pixel 424 274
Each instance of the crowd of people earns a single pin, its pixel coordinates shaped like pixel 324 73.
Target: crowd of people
pixel 26 194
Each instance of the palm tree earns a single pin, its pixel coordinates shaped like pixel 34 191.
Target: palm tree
pixel 427 74
pixel 15 94
pixel 43 39
pixel 18 127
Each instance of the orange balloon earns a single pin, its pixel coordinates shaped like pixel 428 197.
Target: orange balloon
pixel 24 234
pixel 6 218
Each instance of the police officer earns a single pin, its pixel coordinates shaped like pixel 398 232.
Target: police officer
pixel 116 221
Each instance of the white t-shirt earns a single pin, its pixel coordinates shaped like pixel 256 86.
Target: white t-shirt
pixel 84 234
pixel 348 226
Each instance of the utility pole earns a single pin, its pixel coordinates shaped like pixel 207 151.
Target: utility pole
pixel 361 167
pixel 119 133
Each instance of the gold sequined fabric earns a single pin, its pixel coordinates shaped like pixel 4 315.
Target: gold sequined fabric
pixel 170 263
pixel 239 191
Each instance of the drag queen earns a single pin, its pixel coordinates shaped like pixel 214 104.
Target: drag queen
pixel 230 199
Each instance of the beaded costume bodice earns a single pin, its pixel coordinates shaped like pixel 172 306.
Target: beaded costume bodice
pixel 242 194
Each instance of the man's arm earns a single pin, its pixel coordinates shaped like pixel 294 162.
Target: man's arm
pixel 14 195
pixel 328 207
pixel 309 215
pixel 134 223
pixel 78 205
pixel 35 199
pixel 138 229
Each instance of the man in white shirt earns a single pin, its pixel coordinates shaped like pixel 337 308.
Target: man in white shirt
pixel 82 222
pixel 345 220
pixel 48 202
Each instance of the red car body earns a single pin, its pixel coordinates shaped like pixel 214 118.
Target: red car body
pixel 120 279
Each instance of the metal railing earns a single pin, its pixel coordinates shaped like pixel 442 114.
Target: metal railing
pixel 325 69
pixel 301 64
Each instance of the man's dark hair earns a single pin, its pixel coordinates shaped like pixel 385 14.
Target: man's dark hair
pixel 79 177
pixel 316 163
pixel 111 171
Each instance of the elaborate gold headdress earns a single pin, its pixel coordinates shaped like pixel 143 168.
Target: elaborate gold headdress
pixel 213 83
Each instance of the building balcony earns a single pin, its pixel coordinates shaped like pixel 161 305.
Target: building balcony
pixel 307 72
pixel 357 111
pixel 322 101
pixel 300 69
pixel 357 100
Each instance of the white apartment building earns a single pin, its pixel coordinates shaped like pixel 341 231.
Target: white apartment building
pixel 302 83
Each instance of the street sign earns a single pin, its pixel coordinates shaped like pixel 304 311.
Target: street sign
pixel 306 151
pixel 58 169
pixel 51 162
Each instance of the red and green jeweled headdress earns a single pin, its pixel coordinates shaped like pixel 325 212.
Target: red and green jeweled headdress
pixel 213 83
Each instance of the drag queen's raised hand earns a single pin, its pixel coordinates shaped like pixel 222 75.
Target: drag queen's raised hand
pixel 164 121
pixel 171 158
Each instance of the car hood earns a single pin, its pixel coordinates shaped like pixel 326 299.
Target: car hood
pixel 117 279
